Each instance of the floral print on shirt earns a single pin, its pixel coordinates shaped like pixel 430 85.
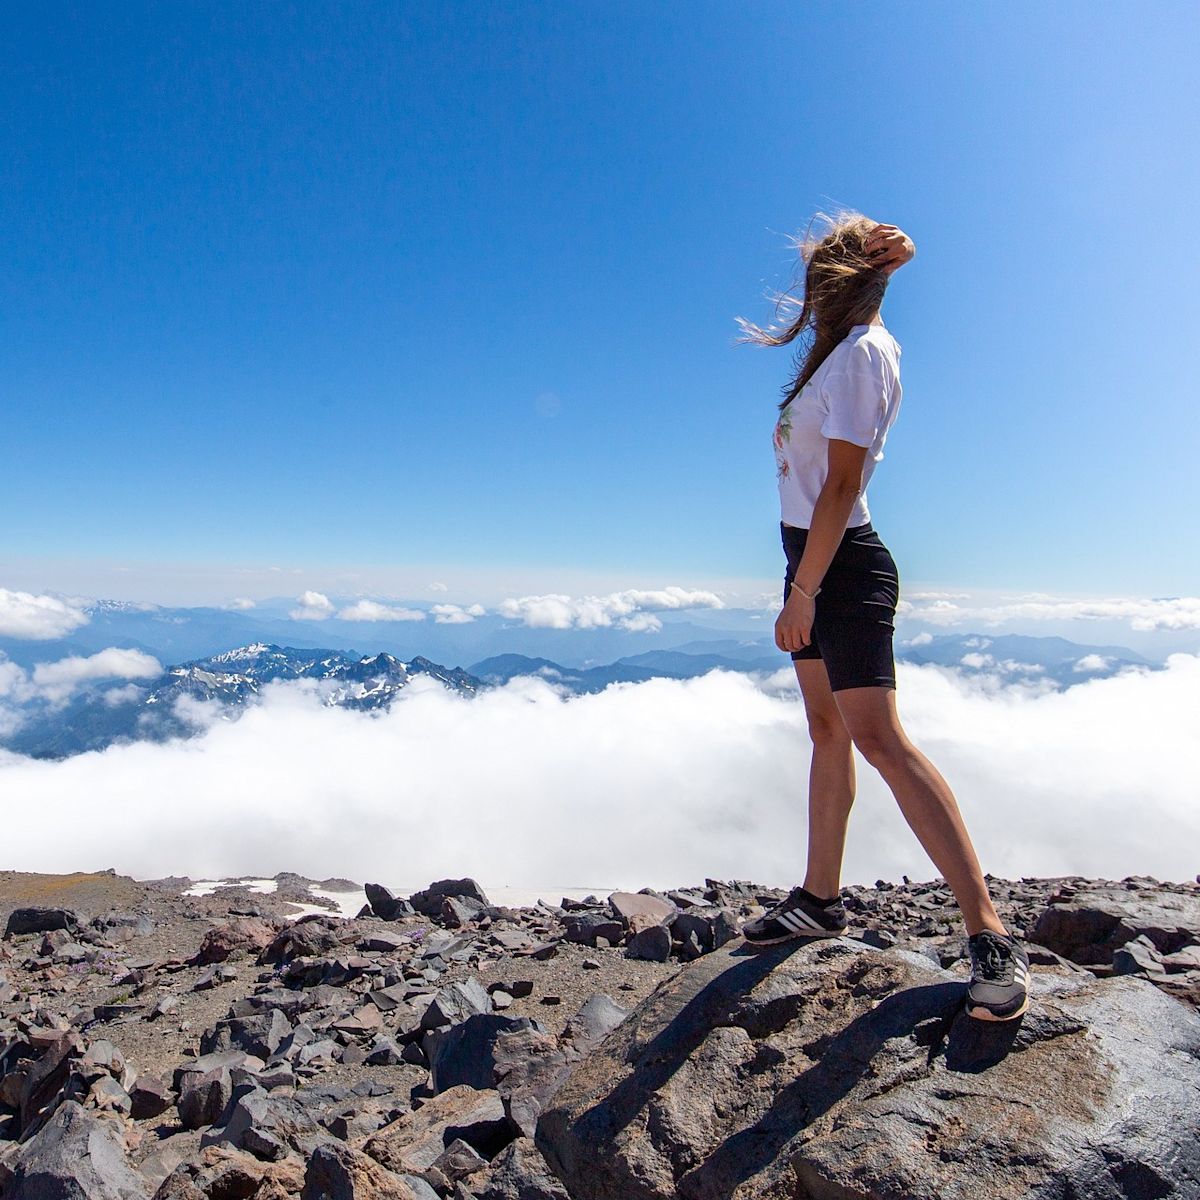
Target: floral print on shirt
pixel 783 431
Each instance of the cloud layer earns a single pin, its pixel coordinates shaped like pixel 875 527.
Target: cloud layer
pixel 39 618
pixel 938 608
pixel 660 783
pixel 632 610
pixel 55 682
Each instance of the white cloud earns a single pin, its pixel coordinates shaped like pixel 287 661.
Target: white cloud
pixel 241 604
pixel 455 614
pixel 438 587
pixel 38 618
pixel 370 610
pixel 123 695
pixel 313 606
pixel 1097 779
pixel 1093 662
pixel 921 639
pixel 1143 614
pixel 642 623
pixel 625 609
pixel 56 681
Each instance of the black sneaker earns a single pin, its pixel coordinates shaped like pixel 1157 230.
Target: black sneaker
pixel 999 987
pixel 796 916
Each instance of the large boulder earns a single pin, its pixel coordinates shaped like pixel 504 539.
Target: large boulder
pixel 1087 926
pixel 338 1172
pixel 829 1070
pixel 415 1140
pixel 518 1172
pixel 74 1156
pixel 38 919
pixel 429 901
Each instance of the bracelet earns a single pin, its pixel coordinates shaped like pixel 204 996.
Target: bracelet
pixel 804 593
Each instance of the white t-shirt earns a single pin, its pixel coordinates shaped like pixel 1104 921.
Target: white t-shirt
pixel 854 395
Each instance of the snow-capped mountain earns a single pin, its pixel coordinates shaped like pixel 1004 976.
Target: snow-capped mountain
pixel 232 679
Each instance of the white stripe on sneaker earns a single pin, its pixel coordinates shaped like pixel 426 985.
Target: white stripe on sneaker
pixel 789 922
pixel 801 915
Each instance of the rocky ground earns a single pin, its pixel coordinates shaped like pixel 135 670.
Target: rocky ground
pixel 154 1043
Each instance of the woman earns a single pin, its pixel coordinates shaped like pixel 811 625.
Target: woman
pixel 841 589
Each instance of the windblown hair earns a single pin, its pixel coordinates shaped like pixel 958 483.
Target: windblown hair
pixel 842 288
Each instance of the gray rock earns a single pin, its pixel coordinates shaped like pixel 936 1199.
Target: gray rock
pixel 881 939
pixel 203 1097
pixel 412 1142
pixel 260 1035
pixel 456 1002
pixel 1088 926
pixel 826 1070
pixel 149 1097
pixel 1138 957
pixel 586 927
pixel 458 911
pixel 269 1127
pixel 75 1156
pixel 653 944
pixel 41 1088
pixel 337 1172
pixel 712 926
pixel 384 904
pixel 597 1017
pixel 384 1052
pixel 465 1053
pixel 528 1068
pixel 518 1172
pixel 229 1059
pixel 108 1095
pixel 38 919
pixel 429 902
pixel 459 1160
pixel 630 904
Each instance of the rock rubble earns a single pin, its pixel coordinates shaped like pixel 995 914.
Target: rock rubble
pixel 440 1045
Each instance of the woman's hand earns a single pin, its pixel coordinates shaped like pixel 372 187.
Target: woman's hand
pixel 889 248
pixel 793 626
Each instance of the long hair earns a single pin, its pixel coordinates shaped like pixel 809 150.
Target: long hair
pixel 842 288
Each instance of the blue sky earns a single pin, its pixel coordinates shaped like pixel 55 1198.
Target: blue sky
pixel 359 286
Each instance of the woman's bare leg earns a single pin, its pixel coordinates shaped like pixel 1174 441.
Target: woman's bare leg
pixel 925 798
pixel 830 780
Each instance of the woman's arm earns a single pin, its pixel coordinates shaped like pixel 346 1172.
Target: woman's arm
pixel 793 628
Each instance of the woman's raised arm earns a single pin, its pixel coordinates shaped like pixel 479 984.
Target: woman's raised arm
pixel 892 246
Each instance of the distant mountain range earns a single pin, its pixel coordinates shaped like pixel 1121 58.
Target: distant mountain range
pixel 95 719
pixel 100 714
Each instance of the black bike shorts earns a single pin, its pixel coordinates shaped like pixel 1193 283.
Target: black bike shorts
pixel 855 609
